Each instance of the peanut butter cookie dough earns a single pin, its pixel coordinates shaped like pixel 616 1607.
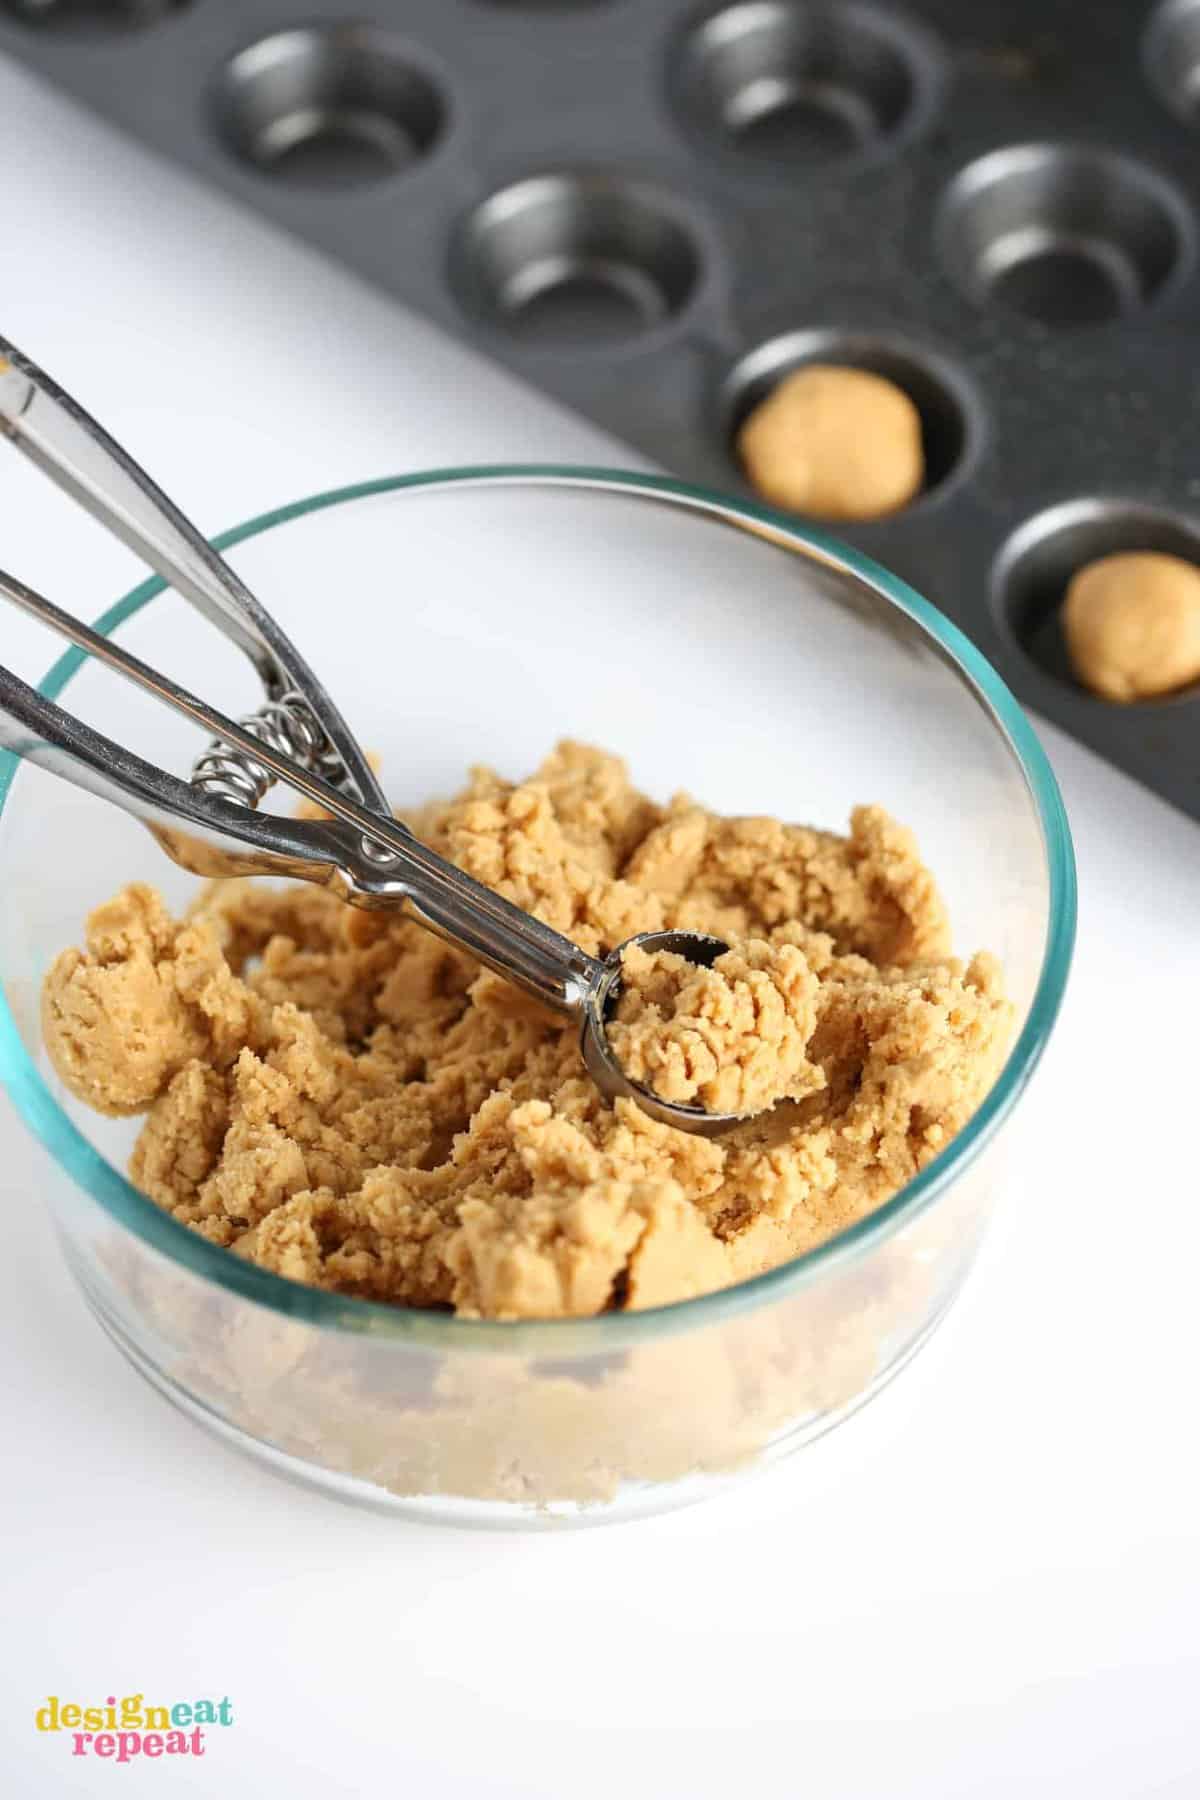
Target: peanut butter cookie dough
pixel 347 1101
pixel 835 443
pixel 732 1039
pixel 1132 624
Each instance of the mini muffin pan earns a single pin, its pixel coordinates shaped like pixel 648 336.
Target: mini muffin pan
pixel 652 210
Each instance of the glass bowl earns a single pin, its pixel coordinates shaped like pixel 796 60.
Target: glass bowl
pixel 478 615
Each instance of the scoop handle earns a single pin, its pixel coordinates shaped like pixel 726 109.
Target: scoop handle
pixel 213 837
pixel 206 835
pixel 51 428
pixel 372 859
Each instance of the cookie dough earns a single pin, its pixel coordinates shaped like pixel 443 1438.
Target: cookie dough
pixel 732 1038
pixel 347 1101
pixel 835 443
pixel 1132 624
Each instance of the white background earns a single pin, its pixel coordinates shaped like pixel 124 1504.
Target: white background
pixel 986 1584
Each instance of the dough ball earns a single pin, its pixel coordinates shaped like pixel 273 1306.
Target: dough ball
pixel 835 443
pixel 1132 624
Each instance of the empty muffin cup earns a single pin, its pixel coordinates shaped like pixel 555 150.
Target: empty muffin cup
pixel 569 260
pixel 1063 235
pixel 335 106
pixel 794 83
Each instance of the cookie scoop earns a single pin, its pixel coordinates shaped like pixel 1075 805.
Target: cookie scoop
pixel 209 822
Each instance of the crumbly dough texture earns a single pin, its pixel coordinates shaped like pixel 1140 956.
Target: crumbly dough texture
pixel 835 443
pixel 731 1039
pixel 1132 624
pixel 351 1103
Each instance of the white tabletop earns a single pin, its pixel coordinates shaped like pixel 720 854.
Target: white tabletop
pixel 987 1583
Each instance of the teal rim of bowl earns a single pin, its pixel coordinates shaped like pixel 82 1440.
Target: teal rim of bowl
pixel 606 1332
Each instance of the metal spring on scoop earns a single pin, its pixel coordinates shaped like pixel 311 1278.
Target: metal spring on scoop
pixel 287 725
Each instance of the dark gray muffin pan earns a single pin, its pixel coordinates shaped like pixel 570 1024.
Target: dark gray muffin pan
pixel 652 210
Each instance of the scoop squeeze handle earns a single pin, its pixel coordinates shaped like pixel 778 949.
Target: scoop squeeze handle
pixel 373 859
pixel 49 427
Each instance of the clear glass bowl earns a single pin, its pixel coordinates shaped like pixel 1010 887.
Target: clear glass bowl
pixel 477 616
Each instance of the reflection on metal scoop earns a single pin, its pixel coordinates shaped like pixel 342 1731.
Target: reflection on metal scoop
pixel 209 824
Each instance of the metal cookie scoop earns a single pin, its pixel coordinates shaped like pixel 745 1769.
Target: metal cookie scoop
pixel 208 824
